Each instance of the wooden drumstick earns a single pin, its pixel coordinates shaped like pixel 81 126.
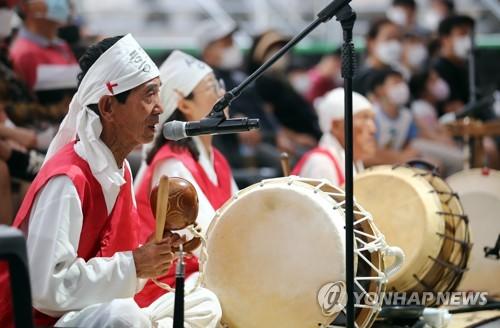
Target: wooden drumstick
pixel 161 207
pixel 285 164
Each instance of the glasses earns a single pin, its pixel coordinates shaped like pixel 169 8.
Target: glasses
pixel 216 86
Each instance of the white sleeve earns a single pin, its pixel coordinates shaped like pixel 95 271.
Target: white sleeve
pixel 175 168
pixel 234 186
pixel 319 166
pixel 61 281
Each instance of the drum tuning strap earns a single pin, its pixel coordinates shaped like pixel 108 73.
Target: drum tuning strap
pixel 423 284
pixel 460 216
pixel 451 194
pixel 448 265
pixel 464 243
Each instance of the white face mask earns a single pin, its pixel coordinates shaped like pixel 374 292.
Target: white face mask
pixel 301 83
pixel 399 94
pixel 440 90
pixel 231 58
pixel 462 46
pixel 397 16
pixel 57 11
pixel 431 20
pixel 5 22
pixel 389 52
pixel 417 55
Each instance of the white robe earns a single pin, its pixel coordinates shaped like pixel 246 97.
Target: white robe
pixel 173 167
pixel 96 293
pixel 319 166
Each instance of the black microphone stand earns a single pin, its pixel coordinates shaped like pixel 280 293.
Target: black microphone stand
pixel 346 16
pixel 179 292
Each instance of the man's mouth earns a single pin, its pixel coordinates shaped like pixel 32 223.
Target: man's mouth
pixel 153 126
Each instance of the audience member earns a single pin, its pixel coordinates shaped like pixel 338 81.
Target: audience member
pixel 455 45
pixel 220 51
pixel 299 129
pixel 326 75
pixel 383 51
pixel 396 128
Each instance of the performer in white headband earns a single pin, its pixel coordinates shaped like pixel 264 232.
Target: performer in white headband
pixel 188 92
pixel 327 160
pixel 80 217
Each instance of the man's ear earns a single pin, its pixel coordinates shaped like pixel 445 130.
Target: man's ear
pixel 106 107
pixel 337 125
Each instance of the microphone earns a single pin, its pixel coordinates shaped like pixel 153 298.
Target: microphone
pixel 176 130
pixel 479 109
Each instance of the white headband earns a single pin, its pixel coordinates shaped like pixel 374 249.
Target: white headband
pixel 180 72
pixel 331 107
pixel 122 67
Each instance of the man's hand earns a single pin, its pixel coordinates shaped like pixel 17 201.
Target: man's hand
pixel 154 258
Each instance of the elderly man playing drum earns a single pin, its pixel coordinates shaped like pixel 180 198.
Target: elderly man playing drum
pixel 327 160
pixel 80 217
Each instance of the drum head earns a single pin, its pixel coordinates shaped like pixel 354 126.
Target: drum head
pixel 480 197
pixel 269 253
pixel 406 212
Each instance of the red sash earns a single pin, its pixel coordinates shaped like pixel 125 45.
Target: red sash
pixel 216 195
pixel 101 235
pixel 318 150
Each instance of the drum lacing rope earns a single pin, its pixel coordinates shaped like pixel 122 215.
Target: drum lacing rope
pixel 377 243
pixel 202 260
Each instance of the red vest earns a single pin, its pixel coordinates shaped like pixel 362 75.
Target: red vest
pixel 102 235
pixel 322 151
pixel 217 195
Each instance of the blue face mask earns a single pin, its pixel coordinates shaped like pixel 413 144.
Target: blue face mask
pixel 57 11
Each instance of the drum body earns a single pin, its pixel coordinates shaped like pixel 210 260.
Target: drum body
pixel 418 212
pixel 479 192
pixel 274 246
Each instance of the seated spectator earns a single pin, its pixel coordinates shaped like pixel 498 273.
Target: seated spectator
pixel 404 14
pixel 383 51
pixel 326 75
pixel 429 90
pixel 21 106
pixel 436 12
pixel 43 61
pixel 415 54
pixel 299 129
pixel 396 128
pixel 220 51
pixel 451 65
pixel 17 149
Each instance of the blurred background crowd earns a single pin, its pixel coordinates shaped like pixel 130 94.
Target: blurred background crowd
pixel 421 63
